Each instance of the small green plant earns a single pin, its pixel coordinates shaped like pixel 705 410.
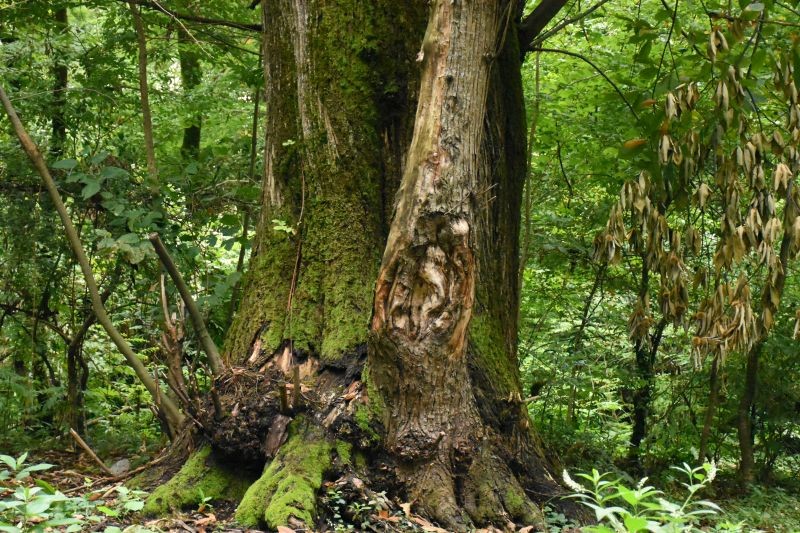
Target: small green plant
pixel 17 468
pixel 33 508
pixel 127 501
pixel 336 504
pixel 37 506
pixel 619 508
pixel 557 522
pixel 353 515
pixel 204 502
pixel 282 225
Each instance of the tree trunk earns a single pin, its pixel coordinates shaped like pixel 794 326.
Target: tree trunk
pixel 713 399
pixel 426 290
pixel 144 96
pixel 60 74
pixel 745 415
pixel 435 410
pixel 774 287
pixel 643 395
pixel 191 75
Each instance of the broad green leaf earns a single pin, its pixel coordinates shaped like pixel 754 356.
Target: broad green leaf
pixel 91 188
pixel 65 164
pixel 635 523
pixel 108 511
pixel 134 505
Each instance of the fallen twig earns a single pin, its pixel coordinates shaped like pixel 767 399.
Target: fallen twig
pixel 89 451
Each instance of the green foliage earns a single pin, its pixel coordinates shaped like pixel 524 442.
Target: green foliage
pixel 33 505
pixel 620 508
pixel 349 515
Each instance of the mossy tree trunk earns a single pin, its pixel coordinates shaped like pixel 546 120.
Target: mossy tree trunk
pixel 338 94
pixel 380 131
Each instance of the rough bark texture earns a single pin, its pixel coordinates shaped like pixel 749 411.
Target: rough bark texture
pixel 454 238
pixel 335 122
pixel 60 74
pixel 191 76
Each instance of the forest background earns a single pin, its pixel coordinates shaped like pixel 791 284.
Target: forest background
pixel 659 305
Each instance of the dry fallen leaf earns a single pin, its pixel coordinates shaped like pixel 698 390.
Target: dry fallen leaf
pixel 210 519
pixel 284 529
pixel 427 526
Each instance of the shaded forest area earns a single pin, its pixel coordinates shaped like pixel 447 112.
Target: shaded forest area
pixel 304 265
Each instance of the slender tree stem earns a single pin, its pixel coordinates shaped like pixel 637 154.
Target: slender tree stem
pixel 144 95
pixel 90 452
pixel 206 341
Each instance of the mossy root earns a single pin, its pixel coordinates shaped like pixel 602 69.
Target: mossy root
pixel 200 477
pixel 288 487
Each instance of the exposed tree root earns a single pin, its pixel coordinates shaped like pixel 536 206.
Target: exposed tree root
pixel 331 430
pixel 485 493
pixel 286 493
pixel 202 476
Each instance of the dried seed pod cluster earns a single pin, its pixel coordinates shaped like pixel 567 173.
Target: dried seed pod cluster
pixel 752 194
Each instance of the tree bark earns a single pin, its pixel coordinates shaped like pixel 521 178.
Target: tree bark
pixel 60 74
pixel 191 75
pixel 426 289
pixel 713 399
pixel 775 285
pixel 438 407
pixel 144 95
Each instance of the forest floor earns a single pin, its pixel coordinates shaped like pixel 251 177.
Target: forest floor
pixel 110 507
pixel 77 475
pixel 767 508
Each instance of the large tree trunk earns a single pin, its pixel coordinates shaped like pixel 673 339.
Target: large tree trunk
pixel 436 408
pixel 448 233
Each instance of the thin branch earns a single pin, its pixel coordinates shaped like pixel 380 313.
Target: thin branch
pixel 718 15
pixel 194 312
pixel 564 172
pixel 666 45
pixel 788 8
pixel 596 68
pixel 532 25
pixel 90 452
pixel 11 310
pixel 147 121
pixel 193 18
pixel 563 24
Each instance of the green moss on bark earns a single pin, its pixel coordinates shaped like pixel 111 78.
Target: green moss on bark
pixel 347 94
pixel 289 485
pixel 491 356
pixel 201 473
pixel 345 452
